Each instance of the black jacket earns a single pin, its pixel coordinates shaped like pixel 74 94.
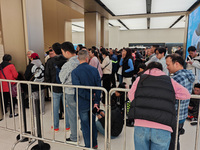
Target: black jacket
pixel 119 101
pixel 50 70
pixel 154 100
pixel 116 121
pixel 125 66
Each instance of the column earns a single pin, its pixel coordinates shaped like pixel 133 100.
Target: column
pixel 104 32
pixel 12 26
pixel 92 29
pixel 34 23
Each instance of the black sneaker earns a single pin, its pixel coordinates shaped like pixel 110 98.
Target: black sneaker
pixel 60 117
pixel 182 131
pixel 15 115
pixel 193 123
pixel 68 140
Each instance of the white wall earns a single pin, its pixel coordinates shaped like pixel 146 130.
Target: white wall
pixel 114 37
pixel 151 36
pixel 78 37
pixel 138 36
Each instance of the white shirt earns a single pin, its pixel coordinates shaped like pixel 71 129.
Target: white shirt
pixel 106 65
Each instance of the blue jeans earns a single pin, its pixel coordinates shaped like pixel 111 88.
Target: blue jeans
pixel 151 139
pixel 57 97
pixel 85 126
pixel 101 129
pixel 120 78
pixel 71 113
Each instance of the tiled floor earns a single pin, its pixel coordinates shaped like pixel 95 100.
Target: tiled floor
pixel 7 139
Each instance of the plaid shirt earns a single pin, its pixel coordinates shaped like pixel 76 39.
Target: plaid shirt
pixel 186 79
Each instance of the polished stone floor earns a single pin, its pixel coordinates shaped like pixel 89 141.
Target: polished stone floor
pixel 7 138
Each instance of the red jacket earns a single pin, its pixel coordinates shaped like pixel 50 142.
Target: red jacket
pixel 10 72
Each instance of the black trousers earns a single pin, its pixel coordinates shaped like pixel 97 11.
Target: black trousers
pixel 7 99
pixel 112 79
pixel 173 138
pixel 106 85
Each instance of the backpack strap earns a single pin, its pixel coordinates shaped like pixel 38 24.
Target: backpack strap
pixel 2 72
pixel 105 66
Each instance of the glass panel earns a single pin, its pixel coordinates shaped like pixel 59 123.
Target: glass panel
pixel 80 23
pixel 162 22
pixel 139 23
pixel 171 5
pixel 180 24
pixel 115 23
pixel 123 28
pixel 125 7
pixel 77 29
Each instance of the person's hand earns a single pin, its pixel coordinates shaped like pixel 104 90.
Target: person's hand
pixel 99 116
pixel 190 62
pixel 190 107
pixel 123 55
pixel 97 106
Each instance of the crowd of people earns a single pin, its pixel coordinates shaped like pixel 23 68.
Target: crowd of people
pixel 156 80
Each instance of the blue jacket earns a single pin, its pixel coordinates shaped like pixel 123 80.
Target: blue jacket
pixel 86 75
pixel 114 63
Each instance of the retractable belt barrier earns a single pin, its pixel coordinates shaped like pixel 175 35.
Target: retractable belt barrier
pixel 35 123
pixel 197 97
pixel 37 127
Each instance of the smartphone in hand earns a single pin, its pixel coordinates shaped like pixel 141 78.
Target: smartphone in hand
pixel 94 110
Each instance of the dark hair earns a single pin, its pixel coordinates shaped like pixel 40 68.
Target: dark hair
pixel 128 55
pixel 7 57
pixel 50 50
pixel 94 47
pixel 123 86
pixel 80 46
pixel 192 48
pixel 153 65
pixel 68 46
pixel 161 50
pixel 176 58
pixel 57 48
pixel 156 46
pixel 93 52
pixel 104 52
pixel 142 65
pixel 197 85
pixel 83 48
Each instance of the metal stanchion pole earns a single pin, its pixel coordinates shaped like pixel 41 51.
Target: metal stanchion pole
pixel 177 126
pixel 41 145
pixel 197 130
pixel 22 98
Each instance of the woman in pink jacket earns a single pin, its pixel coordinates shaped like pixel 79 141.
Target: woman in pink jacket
pixel 154 96
pixel 9 72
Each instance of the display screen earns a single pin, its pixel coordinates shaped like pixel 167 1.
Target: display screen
pixel 193 37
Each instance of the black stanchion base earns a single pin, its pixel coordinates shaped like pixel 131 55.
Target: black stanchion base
pixel 45 146
pixel 24 139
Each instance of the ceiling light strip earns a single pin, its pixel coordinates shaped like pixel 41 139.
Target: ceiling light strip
pixel 106 8
pixel 194 5
pixel 78 26
pixel 110 24
pixel 176 21
pixel 123 24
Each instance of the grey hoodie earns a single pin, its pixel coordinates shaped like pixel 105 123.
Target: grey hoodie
pixel 65 73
